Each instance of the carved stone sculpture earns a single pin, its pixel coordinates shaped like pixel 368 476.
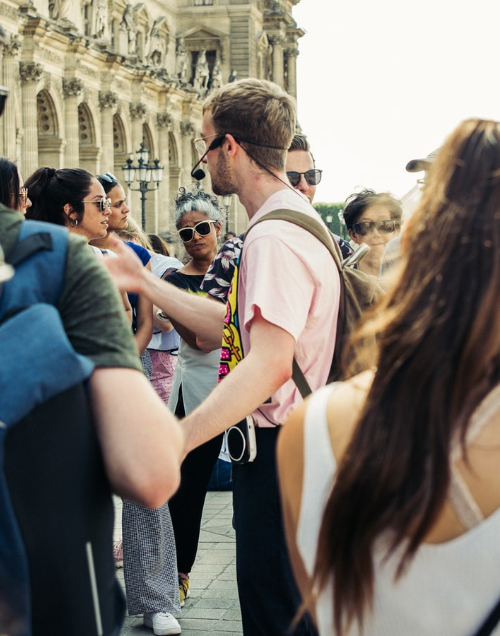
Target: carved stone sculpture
pixel 72 87
pixel 216 76
pixel 156 44
pixel 128 23
pixel 101 19
pixel 181 62
pixel 201 71
pixel 58 9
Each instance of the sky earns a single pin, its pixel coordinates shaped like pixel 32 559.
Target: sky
pixel 381 82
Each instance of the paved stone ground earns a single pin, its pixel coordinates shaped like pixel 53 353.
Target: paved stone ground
pixel 213 606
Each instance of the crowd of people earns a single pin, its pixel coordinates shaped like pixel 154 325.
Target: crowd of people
pixel 371 507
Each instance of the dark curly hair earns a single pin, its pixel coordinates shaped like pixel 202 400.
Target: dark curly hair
pixel 358 202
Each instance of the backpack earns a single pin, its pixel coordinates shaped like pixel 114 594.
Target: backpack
pixel 358 292
pixel 57 574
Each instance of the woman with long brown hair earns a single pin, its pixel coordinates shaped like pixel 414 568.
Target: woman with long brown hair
pixel 390 480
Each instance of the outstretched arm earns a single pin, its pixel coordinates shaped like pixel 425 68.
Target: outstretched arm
pixel 141 441
pixel 198 314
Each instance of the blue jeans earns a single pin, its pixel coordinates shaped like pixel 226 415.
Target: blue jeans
pixel 269 597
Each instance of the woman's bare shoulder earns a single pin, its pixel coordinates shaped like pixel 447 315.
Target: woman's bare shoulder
pixel 344 408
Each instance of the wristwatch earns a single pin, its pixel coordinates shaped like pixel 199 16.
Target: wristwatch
pixel 161 315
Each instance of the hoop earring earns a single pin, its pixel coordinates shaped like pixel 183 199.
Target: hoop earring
pixel 73 222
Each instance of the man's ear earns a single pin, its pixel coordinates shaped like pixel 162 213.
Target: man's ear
pixel 231 145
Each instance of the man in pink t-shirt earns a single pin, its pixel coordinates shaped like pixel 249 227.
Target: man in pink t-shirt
pixel 288 304
pixel 288 299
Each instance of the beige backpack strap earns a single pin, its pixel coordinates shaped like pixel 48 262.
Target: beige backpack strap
pixel 310 224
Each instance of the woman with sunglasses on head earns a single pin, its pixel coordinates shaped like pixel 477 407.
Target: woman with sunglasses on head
pixel 72 197
pixel 372 218
pixel 390 481
pixel 13 194
pixel 198 222
pixel 142 308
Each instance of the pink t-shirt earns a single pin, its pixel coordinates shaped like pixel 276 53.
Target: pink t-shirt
pixel 292 278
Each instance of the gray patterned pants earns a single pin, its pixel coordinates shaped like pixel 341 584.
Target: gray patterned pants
pixel 149 559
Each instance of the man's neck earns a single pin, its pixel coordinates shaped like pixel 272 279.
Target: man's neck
pixel 255 192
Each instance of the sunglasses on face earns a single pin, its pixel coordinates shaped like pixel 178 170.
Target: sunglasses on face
pixel 203 228
pixel 104 203
pixel 367 227
pixel 201 145
pixel 23 195
pixel 313 177
pixel 108 177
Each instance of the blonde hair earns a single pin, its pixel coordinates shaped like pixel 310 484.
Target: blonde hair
pixel 256 112
pixel 135 233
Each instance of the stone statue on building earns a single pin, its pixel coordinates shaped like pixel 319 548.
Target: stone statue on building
pixel 216 76
pixel 181 61
pixel 268 67
pixel 129 25
pixel 157 44
pixel 201 71
pixel 101 19
pixel 58 9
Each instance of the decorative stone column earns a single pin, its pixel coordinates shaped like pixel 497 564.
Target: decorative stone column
pixel 137 116
pixel 107 102
pixel 31 73
pixel 187 132
pixel 164 124
pixel 278 60
pixel 292 71
pixel 10 79
pixel 72 89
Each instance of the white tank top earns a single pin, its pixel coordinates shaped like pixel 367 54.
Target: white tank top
pixel 449 588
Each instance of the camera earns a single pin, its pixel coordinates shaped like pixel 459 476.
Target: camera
pixel 241 442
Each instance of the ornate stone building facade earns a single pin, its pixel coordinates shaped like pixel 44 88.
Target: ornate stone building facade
pixel 91 79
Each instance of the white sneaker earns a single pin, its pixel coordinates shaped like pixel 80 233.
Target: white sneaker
pixel 162 623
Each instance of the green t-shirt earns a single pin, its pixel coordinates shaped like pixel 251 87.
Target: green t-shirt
pixel 90 306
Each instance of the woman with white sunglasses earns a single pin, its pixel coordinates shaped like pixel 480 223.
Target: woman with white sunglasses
pixel 198 222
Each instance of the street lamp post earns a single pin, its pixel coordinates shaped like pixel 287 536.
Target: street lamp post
pixel 145 173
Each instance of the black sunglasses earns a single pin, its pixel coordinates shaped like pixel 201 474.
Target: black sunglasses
pixel 367 227
pixel 107 176
pixel 203 228
pixel 313 177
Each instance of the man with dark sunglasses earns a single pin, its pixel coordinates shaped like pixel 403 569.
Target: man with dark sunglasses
pixel 304 176
pixel 301 168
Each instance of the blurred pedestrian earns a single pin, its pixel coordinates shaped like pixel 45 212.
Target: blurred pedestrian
pixel 389 481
